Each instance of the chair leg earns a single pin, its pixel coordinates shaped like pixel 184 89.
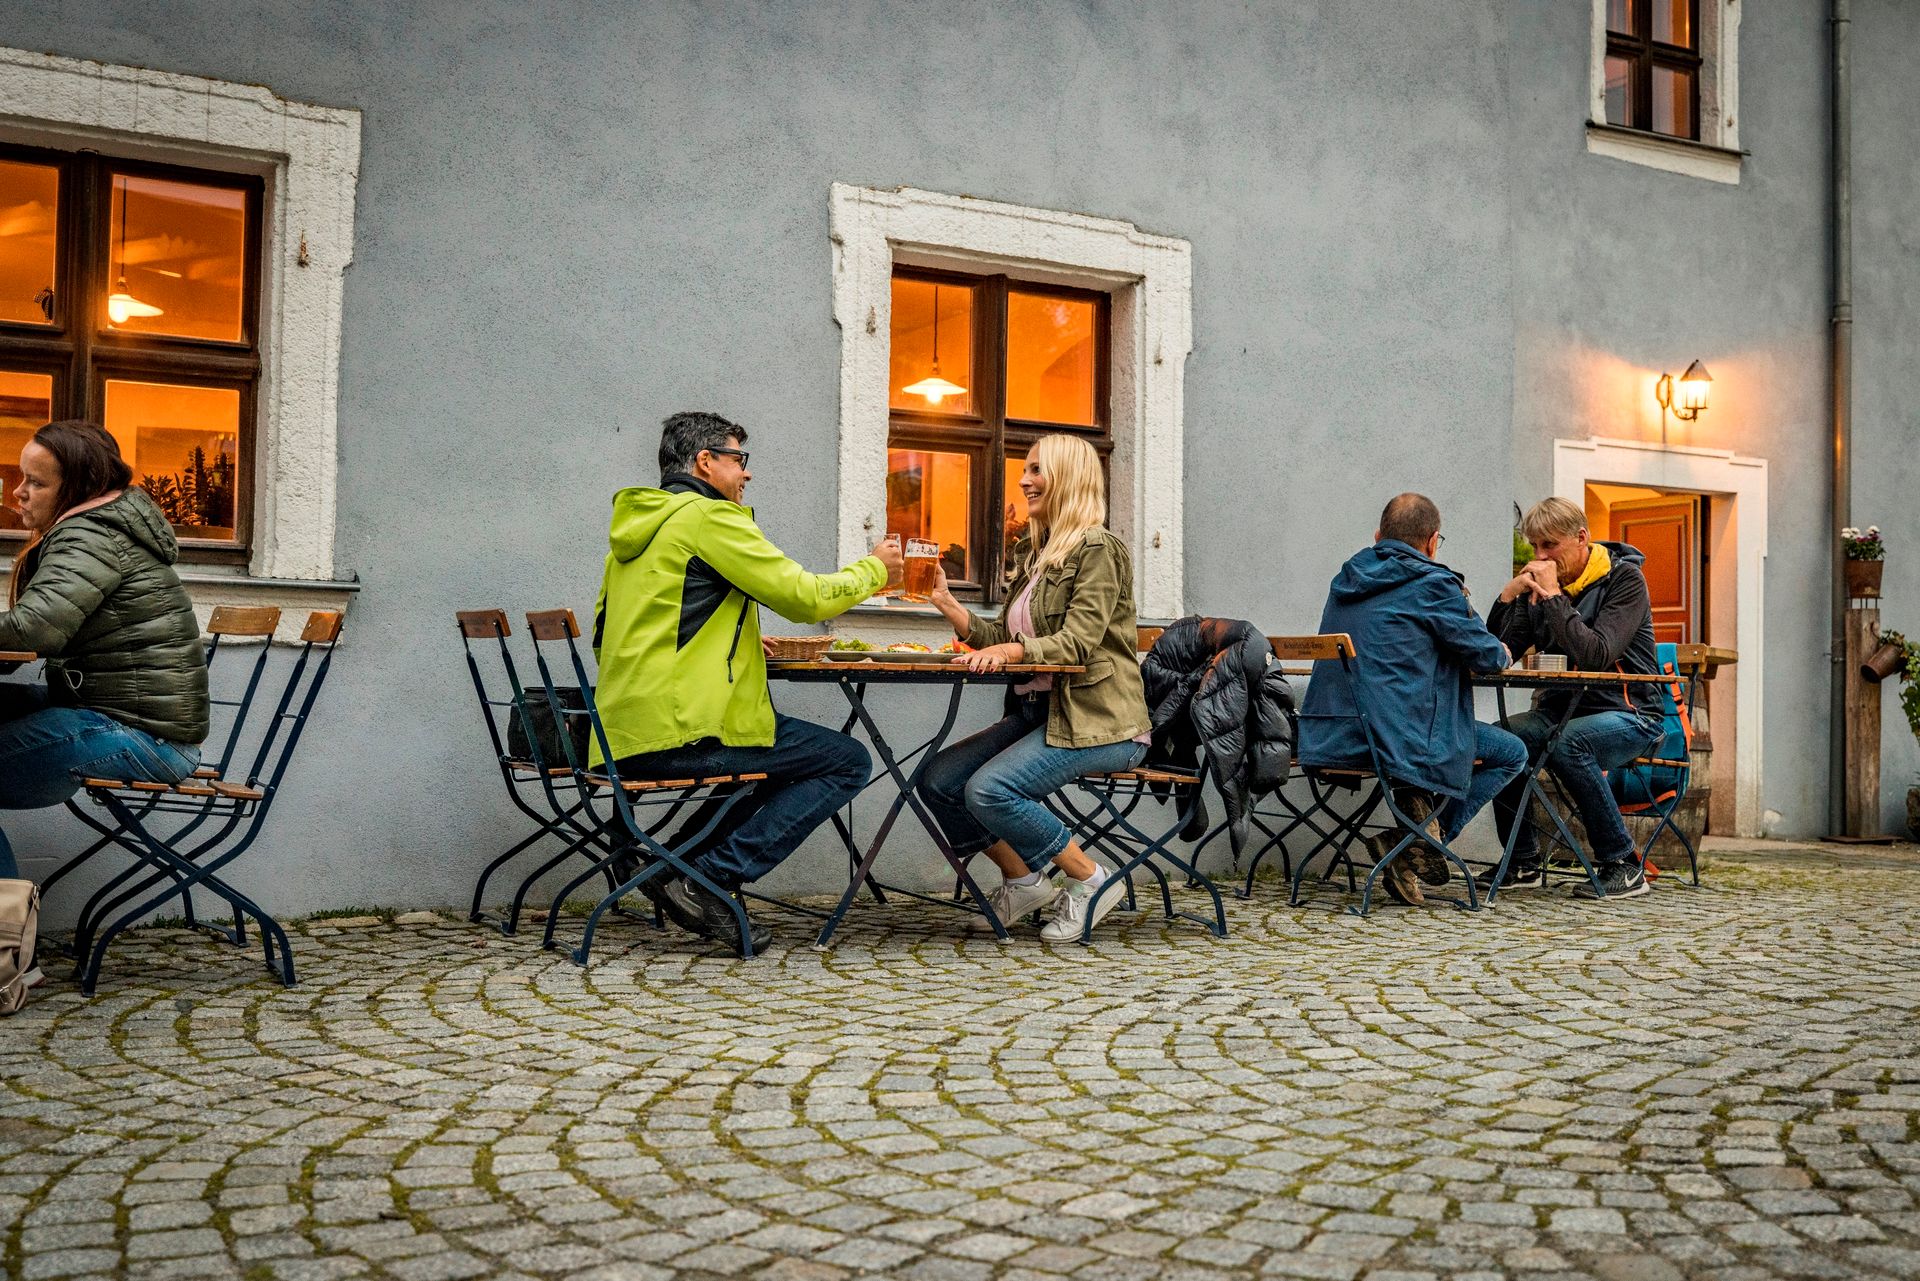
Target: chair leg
pixel 474 912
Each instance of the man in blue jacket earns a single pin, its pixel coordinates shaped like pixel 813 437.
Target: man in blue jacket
pixel 1417 639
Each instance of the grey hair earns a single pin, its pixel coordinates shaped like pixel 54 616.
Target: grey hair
pixel 684 435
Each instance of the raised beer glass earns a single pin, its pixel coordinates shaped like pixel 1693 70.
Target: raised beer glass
pixel 923 562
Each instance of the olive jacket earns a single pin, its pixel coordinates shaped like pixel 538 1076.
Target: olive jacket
pixel 101 603
pixel 1083 615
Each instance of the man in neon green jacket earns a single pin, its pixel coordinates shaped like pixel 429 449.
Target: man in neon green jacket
pixel 683 681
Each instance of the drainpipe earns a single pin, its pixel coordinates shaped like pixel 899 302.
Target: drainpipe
pixel 1842 385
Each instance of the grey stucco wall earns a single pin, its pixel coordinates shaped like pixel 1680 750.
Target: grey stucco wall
pixel 575 219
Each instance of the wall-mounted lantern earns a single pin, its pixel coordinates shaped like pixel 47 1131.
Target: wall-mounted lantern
pixel 1692 396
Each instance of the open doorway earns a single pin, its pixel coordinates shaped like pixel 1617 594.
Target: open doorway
pixel 1677 531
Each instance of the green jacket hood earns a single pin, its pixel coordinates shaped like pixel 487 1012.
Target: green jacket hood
pixel 138 518
pixel 638 514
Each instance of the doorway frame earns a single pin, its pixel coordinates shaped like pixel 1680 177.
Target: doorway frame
pixel 1604 460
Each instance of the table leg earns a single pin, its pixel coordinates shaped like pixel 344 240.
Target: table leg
pixel 905 799
pixel 1533 791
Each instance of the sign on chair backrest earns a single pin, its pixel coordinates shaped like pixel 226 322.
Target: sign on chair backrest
pixel 1311 649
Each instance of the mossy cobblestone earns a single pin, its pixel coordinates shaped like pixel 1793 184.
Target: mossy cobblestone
pixel 1719 1083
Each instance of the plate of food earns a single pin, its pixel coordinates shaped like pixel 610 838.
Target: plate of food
pixel 851 650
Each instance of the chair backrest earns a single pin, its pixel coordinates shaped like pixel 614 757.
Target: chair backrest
pixel 558 627
pixel 228 627
pixel 308 673
pixel 1144 638
pixel 1651 784
pixel 1327 647
pixel 496 709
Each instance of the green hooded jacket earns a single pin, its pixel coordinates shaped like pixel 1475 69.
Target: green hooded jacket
pixel 675 629
pixel 101 603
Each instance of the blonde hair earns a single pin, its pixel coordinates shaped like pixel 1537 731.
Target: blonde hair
pixel 1076 500
pixel 1552 518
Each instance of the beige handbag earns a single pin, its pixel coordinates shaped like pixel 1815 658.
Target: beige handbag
pixel 19 931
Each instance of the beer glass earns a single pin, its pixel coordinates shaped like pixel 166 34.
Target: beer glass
pixel 894 576
pixel 923 562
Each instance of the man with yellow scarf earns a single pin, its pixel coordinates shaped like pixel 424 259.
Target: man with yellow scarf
pixel 1588 601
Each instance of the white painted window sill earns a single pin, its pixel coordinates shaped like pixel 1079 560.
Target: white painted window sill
pixel 1672 155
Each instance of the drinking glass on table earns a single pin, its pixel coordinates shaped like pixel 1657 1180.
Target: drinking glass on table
pixel 923 567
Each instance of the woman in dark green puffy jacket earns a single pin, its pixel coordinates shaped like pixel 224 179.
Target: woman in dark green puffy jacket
pixel 94 593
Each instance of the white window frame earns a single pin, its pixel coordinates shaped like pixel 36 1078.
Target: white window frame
pixel 1150 281
pixel 310 158
pixel 1717 155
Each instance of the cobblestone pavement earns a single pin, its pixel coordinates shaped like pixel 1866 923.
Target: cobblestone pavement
pixel 1721 1083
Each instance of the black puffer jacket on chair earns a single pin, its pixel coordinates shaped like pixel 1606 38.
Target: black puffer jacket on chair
pixel 1213 683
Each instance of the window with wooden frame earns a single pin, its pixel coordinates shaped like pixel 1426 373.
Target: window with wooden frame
pixel 1653 66
pixel 980 367
pixel 129 296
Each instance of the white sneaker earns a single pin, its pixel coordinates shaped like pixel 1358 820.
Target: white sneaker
pixel 1068 915
pixel 1013 903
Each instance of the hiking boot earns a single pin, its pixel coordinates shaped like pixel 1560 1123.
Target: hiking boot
pixel 1398 880
pixel 1619 880
pixel 1530 875
pixel 698 910
pixel 1429 864
pixel 1014 903
pixel 1067 914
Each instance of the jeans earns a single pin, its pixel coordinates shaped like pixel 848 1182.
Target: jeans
pixel 1499 759
pixel 1590 746
pixel 990 785
pixel 811 772
pixel 45 751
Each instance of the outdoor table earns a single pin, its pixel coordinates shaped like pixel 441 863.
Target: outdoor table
pixel 853 678
pixel 1519 678
pixel 13 658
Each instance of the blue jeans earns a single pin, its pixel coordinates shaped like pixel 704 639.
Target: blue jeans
pixel 990 785
pixel 1499 759
pixel 811 772
pixel 45 751
pixel 1590 746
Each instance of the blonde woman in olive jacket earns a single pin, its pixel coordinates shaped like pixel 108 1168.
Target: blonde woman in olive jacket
pixel 1070 603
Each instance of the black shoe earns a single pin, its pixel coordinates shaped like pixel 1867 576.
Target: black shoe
pixel 1620 880
pixel 656 890
pixel 698 910
pixel 1529 875
pixel 626 864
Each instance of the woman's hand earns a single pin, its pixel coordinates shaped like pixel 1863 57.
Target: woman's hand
pixel 941 598
pixel 993 657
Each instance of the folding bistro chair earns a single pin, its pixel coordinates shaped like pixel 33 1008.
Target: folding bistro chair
pixel 1654 786
pixel 1335 652
pixel 211 818
pixel 1107 827
pixel 629 798
pixel 540 782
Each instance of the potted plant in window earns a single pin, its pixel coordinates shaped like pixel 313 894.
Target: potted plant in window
pixel 1866 558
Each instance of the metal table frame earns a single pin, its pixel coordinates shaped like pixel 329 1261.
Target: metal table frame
pixel 1577 682
pixel 906 769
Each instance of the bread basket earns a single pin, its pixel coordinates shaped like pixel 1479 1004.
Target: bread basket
pixel 797 649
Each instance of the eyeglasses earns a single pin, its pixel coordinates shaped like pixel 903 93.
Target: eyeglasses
pixel 741 454
pixel 1441 540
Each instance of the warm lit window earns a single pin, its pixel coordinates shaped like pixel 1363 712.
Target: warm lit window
pixel 128 296
pixel 979 368
pixel 1653 66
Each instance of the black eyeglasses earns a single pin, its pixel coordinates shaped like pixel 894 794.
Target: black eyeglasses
pixel 741 454
pixel 1438 535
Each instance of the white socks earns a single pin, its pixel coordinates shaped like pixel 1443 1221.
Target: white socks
pixel 1031 878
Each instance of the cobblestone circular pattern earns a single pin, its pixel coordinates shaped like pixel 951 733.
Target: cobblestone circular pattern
pixel 1721 1083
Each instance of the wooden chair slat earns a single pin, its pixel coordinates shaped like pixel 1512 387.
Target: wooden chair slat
pixel 1146 636
pixel 237 791
pixel 1148 774
pixel 323 627
pixel 1332 645
pixel 552 624
pixel 1657 760
pixel 243 620
pixel 482 624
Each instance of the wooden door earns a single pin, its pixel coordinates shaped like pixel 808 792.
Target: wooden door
pixel 1666 530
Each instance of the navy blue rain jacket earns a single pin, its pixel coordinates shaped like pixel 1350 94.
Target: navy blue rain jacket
pixel 1417 638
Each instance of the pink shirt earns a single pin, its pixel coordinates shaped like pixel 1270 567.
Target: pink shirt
pixel 1019 622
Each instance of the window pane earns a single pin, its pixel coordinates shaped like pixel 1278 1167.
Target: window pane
pixel 930 356
pixel 1673 21
pixel 1013 513
pixel 177 259
pixel 930 495
pixel 183 444
pixel 1673 102
pixel 1620 16
pixel 1619 91
pixel 29 196
pixel 1050 355
pixel 26 405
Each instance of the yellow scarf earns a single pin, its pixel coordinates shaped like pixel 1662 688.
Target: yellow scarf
pixel 1598 563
